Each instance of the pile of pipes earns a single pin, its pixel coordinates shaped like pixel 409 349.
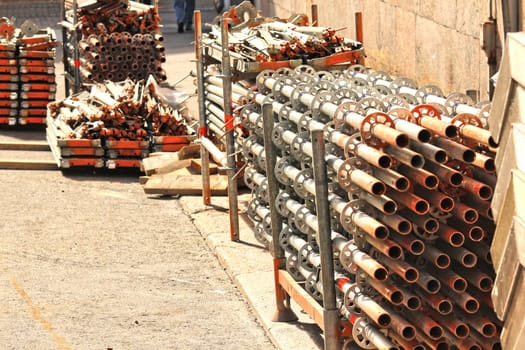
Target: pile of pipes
pixel 120 39
pixel 114 125
pixel 27 72
pixel 410 178
pixel 258 43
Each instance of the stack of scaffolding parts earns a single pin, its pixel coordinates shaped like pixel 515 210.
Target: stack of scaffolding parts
pixel 258 43
pixel 117 39
pixel 114 125
pixel 410 179
pixel 27 72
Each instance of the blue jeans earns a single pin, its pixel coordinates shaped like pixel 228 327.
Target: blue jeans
pixel 184 11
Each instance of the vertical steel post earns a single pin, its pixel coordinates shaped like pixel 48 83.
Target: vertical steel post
pixel 203 126
pixel 331 313
pixel 76 54
pixel 315 15
pixel 283 313
pixel 229 130
pixel 359 35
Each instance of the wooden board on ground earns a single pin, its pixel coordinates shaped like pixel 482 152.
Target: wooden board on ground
pixel 165 162
pixel 24 145
pixel 28 164
pixel 173 184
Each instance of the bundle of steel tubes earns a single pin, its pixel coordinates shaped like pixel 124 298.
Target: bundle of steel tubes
pixel 120 39
pixel 411 176
pixel 27 72
pixel 258 43
pixel 115 120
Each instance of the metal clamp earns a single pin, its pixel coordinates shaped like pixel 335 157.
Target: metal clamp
pixel 373 103
pixel 280 203
pixel 367 128
pixel 300 90
pixel 342 110
pixel 344 173
pixel 400 82
pixel 426 90
pixel 300 221
pixel 296 148
pixel 292 266
pixel 284 238
pixel 278 86
pixel 298 184
pixel 284 112
pixel 348 212
pixel 280 173
pixel 303 254
pixel 318 101
pixel 277 131
pixel 395 101
pixel 455 99
pixel 311 286
pixel 261 79
pixel 425 110
pixel 345 94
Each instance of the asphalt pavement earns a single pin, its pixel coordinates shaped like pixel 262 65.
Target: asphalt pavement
pixel 247 263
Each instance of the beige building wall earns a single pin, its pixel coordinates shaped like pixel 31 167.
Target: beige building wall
pixel 430 41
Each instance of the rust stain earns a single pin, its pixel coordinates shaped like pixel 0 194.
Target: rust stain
pixel 36 314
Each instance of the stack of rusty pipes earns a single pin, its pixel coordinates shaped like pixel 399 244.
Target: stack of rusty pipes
pixel 120 42
pixel 124 111
pixel 411 175
pixel 257 41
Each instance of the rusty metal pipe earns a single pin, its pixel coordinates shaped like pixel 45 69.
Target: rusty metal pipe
pixel 400 326
pixel 477 188
pixel 437 257
pixel 420 176
pixel 448 175
pixel 383 203
pixel 456 150
pixel 460 254
pixel 405 156
pixel 473 232
pixel 430 152
pixel 396 222
pixel 388 290
pixel 465 213
pixel 413 202
pixel 392 178
pixel 428 326
pixel 372 309
pixel 412 245
pixel 429 283
pixel 451 236
pixel 456 327
pixel 437 302
pixel 450 279
pixel 437 199
pixel 425 222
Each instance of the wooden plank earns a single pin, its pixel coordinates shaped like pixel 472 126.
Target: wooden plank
pixel 172 185
pixel 191 151
pixel 24 145
pixel 163 165
pixel 28 164
pixel 196 165
pixel 301 297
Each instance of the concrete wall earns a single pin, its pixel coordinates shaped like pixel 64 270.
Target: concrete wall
pixel 430 41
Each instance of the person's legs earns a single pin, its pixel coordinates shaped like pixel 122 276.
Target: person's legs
pixel 190 7
pixel 180 14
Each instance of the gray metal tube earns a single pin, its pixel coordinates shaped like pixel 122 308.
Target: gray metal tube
pixel 230 137
pixel 331 321
pixel 203 130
